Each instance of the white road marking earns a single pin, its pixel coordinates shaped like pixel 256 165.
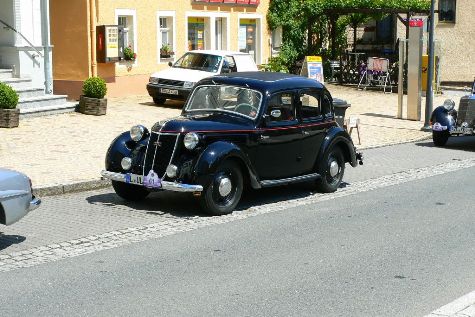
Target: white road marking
pixel 461 307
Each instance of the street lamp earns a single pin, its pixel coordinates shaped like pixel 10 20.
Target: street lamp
pixel 430 73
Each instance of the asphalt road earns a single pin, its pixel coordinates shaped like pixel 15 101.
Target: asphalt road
pixel 400 250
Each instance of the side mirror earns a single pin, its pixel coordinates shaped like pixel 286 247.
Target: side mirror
pixel 170 64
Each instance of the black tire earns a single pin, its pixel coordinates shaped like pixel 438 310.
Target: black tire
pixel 330 178
pixel 440 137
pixel 130 192
pixel 159 100
pixel 214 203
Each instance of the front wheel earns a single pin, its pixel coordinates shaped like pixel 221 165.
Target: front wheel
pixel 331 170
pixel 159 100
pixel 224 191
pixel 130 192
pixel 440 137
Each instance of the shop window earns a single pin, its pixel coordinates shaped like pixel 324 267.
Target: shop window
pixel 126 20
pixel 196 33
pixel 248 37
pixel 447 11
pixel 166 36
pixel 276 40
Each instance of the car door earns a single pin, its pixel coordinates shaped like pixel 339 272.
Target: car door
pixel 315 116
pixel 278 154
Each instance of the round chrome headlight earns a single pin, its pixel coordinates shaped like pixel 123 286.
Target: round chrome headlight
pixel 191 140
pixel 137 132
pixel 171 170
pixel 126 163
pixel 449 104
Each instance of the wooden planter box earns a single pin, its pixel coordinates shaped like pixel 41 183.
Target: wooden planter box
pixel 9 118
pixel 92 106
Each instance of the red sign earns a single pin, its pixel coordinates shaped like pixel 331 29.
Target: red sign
pixel 416 23
pixel 242 1
pixel 254 2
pixel 220 1
pixel 229 1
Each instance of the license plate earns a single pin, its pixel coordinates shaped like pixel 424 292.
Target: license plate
pixel 134 179
pixel 169 91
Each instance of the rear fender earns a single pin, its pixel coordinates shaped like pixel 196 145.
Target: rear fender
pixel 337 136
pixel 215 154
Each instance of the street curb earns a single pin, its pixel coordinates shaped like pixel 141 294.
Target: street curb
pixel 74 187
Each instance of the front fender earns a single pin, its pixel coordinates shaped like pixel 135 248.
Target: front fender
pixel 338 136
pixel 215 154
pixel 122 146
pixel 443 117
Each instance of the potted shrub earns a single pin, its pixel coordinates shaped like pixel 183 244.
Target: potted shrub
pixel 9 114
pixel 92 100
pixel 166 51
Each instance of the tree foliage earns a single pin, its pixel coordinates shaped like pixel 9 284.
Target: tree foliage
pixel 308 26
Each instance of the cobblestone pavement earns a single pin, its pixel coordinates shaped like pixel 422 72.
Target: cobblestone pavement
pixel 70 148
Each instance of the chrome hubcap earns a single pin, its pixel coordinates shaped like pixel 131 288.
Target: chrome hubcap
pixel 334 168
pixel 224 187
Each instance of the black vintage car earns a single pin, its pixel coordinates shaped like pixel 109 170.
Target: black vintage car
pixel 447 121
pixel 251 129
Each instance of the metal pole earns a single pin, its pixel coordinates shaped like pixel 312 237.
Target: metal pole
pixel 45 28
pixel 400 84
pixel 430 73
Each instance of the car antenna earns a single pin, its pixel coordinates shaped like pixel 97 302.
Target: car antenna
pixel 213 82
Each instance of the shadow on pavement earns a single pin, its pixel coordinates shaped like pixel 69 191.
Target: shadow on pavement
pixel 185 205
pixel 462 143
pixel 8 240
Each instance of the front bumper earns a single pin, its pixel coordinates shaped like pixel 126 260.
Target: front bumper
pixel 172 186
pixel 155 90
pixel 34 203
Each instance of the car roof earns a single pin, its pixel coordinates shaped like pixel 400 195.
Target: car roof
pixel 218 52
pixel 264 81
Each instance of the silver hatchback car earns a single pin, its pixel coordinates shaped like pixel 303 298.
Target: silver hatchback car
pixel 16 197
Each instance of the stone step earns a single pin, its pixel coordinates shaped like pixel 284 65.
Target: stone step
pixel 41 101
pixel 17 83
pixel 25 93
pixel 48 110
pixel 5 74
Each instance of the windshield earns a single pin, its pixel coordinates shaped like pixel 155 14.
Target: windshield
pixel 243 101
pixel 205 62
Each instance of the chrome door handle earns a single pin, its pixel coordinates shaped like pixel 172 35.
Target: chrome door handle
pixel 305 132
pixel 263 137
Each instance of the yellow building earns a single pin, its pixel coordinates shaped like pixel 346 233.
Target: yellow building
pixel 149 27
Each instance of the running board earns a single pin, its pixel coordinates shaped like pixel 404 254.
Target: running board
pixel 277 182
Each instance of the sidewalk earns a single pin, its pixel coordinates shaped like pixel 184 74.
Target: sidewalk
pixel 66 152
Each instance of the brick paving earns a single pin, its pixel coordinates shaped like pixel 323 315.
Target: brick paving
pixel 70 148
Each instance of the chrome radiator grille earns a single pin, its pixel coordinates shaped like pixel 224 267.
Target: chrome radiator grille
pixel 160 151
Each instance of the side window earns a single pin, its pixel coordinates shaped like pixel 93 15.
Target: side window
pixel 310 105
pixel 281 108
pixel 326 105
pixel 231 63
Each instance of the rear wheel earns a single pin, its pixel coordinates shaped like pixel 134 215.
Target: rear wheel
pixel 159 100
pixel 129 192
pixel 224 191
pixel 440 137
pixel 331 170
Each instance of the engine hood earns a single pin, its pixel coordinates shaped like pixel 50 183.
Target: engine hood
pixel 182 74
pixel 210 122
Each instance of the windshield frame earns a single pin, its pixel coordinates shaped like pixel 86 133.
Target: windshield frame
pixel 221 59
pixel 186 109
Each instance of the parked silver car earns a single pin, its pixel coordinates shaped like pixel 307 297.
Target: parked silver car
pixel 16 198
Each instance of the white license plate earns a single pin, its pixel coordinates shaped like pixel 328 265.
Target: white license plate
pixel 169 91
pixel 133 179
